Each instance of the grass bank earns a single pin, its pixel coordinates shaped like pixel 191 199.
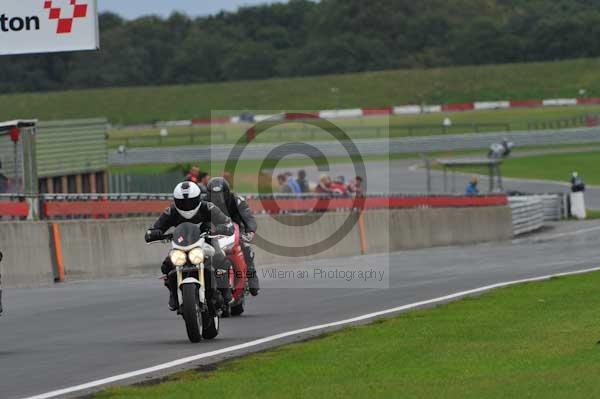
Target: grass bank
pixel 555 167
pixel 533 340
pixel 374 89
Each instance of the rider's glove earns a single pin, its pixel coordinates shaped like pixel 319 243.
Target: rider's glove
pixel 249 236
pixel 205 227
pixel 225 229
pixel 153 235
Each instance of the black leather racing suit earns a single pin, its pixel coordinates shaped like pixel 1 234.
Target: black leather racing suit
pixel 208 215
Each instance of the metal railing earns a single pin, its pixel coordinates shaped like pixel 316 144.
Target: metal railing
pixel 588 120
pixel 527 214
pixel 531 212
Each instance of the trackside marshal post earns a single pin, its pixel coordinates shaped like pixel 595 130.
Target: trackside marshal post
pixel 48 26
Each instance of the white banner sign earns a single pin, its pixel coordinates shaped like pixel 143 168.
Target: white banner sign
pixel 47 26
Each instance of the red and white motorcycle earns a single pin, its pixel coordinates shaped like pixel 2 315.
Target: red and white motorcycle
pixel 236 272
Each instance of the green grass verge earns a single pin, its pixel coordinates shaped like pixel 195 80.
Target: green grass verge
pixel 593 214
pixel 375 89
pixel 533 340
pixel 555 167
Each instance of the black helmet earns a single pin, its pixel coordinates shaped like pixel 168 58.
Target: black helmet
pixel 203 192
pixel 219 192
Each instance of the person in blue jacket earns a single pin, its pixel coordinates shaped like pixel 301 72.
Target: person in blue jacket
pixel 472 188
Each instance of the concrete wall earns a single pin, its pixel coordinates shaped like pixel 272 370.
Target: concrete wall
pixel 116 248
pixel 27 254
pixel 403 229
pixel 300 233
pixel 110 248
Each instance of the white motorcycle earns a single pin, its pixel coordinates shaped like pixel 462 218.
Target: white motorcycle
pixel 200 310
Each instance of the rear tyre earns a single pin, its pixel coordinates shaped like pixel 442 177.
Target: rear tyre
pixel 191 312
pixel 237 310
pixel 226 311
pixel 211 325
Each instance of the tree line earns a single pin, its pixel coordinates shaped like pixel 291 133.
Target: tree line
pixel 304 38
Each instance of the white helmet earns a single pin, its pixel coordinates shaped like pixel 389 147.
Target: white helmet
pixel 187 199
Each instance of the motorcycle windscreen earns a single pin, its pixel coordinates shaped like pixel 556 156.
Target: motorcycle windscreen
pixel 186 234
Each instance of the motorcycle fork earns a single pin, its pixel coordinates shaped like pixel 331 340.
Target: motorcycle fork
pixel 201 288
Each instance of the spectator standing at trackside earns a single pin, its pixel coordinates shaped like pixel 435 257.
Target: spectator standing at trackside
pixel 194 175
pixel 324 185
pixel 284 187
pixel 339 187
pixel 203 179
pixel 472 187
pixel 355 186
pixel 293 183
pixel 302 182
pixel 577 184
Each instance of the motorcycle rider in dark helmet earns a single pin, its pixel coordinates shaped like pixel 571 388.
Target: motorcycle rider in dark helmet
pixel 236 207
pixel 188 207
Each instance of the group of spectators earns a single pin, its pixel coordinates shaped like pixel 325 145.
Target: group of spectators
pixel 201 178
pixel 290 184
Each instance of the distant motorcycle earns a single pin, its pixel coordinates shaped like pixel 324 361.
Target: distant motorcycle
pixel 236 270
pixel 501 150
pixel 200 309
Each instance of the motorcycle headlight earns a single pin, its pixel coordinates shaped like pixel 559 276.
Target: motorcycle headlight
pixel 196 256
pixel 178 258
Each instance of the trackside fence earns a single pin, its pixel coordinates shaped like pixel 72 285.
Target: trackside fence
pixel 57 207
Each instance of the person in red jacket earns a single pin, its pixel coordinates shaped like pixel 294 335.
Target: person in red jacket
pixel 339 187
pixel 355 186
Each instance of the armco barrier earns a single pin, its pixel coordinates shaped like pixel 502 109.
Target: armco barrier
pixel 554 205
pixel 98 249
pixel 527 214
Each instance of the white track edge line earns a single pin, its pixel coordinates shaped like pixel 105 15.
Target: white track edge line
pixel 261 341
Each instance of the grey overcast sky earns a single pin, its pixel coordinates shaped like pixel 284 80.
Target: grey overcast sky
pixel 135 8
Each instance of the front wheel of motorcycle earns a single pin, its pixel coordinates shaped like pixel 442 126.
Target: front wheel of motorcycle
pixel 191 312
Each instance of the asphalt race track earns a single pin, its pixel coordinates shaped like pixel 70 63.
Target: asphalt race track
pixel 79 332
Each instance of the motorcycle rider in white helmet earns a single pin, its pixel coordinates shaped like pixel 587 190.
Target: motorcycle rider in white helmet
pixel 188 207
